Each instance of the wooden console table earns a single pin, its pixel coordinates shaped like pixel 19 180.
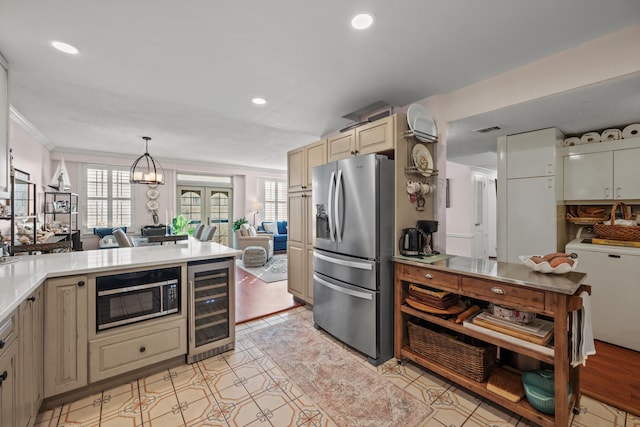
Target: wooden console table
pixel 513 285
pixel 163 238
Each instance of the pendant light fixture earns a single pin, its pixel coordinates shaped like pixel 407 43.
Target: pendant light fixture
pixel 146 170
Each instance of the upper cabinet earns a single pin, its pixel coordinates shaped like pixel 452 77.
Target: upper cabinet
pixel 374 137
pixel 602 175
pixel 532 154
pixel 300 164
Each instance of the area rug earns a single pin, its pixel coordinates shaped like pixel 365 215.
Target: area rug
pixel 273 271
pixel 350 393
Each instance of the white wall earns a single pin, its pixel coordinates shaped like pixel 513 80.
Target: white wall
pixel 466 234
pixel 459 231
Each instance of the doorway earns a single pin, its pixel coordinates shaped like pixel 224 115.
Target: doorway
pixel 208 206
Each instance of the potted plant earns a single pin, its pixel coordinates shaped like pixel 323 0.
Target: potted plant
pixel 179 223
pixel 238 222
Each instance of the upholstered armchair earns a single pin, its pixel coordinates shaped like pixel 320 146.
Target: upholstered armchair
pixel 247 236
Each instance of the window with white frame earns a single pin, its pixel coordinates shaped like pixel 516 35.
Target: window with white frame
pixel 275 200
pixel 108 196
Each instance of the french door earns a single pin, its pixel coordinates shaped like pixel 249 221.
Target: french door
pixel 208 206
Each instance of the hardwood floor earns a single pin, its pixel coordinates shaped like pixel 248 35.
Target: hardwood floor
pixel 612 376
pixel 256 299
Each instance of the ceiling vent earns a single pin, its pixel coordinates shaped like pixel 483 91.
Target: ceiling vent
pixel 487 130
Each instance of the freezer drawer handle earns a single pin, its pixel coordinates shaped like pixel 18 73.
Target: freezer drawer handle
pixel 428 276
pixel 614 256
pixel 356 294
pixel 354 264
pixel 497 290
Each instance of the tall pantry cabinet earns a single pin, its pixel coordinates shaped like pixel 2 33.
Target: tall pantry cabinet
pixel 530 199
pixel 301 224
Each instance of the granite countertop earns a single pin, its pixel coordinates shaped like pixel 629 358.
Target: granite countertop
pixel 19 279
pixel 515 274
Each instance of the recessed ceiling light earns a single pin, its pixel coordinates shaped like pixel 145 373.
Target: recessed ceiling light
pixel 259 101
pixel 65 47
pixel 362 21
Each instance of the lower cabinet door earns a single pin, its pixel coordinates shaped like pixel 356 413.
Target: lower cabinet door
pixel 133 350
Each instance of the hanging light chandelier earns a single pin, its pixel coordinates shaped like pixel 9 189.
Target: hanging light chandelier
pixel 146 170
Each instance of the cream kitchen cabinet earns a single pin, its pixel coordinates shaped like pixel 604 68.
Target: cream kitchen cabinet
pixel 135 349
pixel 9 389
pixel 374 137
pixel 30 369
pixel 529 192
pixel 65 334
pixel 300 163
pixel 300 246
pixel 532 154
pixel 606 175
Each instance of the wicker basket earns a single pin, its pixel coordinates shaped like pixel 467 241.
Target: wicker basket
pixel 471 358
pixel 618 232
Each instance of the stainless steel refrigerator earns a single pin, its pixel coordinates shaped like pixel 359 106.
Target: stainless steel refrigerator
pixel 353 202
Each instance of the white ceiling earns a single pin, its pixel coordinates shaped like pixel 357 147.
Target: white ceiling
pixel 184 73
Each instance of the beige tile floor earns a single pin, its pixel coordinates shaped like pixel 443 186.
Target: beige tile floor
pixel 243 387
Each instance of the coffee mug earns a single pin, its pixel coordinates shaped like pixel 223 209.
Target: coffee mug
pixel 413 187
pixel 425 188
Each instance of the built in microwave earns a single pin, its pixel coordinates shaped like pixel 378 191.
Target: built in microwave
pixel 126 298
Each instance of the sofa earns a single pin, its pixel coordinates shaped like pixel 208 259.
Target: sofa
pixel 279 231
pixel 107 239
pixel 247 236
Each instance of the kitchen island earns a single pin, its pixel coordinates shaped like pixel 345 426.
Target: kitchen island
pixel 489 281
pixel 103 316
pixel 20 278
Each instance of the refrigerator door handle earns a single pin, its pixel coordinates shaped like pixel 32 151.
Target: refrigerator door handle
pixel 354 264
pixel 361 295
pixel 336 208
pixel 332 183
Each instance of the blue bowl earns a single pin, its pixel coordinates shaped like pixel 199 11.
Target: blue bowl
pixel 538 387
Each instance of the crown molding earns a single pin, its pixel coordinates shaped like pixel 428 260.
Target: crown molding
pixel 29 127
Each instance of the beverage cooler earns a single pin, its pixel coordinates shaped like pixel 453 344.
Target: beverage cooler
pixel 211 307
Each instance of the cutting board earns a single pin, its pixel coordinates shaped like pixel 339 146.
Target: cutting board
pixel 455 309
pixel 598 241
pixel 506 384
pixel 544 340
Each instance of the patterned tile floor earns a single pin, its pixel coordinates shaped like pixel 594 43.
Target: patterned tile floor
pixel 243 387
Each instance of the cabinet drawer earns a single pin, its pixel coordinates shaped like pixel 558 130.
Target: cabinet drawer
pixel 7 333
pixel 501 293
pixel 123 353
pixel 425 276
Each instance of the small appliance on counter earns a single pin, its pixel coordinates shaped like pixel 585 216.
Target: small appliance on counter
pixel 428 227
pixel 412 242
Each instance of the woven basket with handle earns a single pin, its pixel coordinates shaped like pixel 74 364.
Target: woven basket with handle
pixel 618 232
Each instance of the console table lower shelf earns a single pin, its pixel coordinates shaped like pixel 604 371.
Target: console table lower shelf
pixel 522 407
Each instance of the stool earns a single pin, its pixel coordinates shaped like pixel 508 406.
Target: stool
pixel 254 256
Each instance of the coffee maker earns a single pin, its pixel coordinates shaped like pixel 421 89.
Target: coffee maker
pixel 428 227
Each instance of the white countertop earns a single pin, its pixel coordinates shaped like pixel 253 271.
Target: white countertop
pixel 19 279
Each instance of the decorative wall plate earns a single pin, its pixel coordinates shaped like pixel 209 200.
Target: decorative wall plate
pixel 153 193
pixel 422 159
pixel 153 205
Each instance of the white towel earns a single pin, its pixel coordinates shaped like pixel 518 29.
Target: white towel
pixel 582 345
pixel 631 131
pixel 611 134
pixel 590 137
